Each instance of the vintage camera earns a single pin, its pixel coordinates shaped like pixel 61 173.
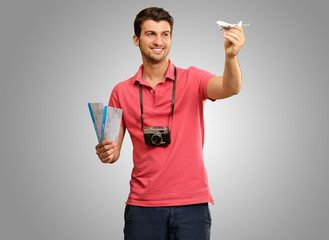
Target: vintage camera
pixel 157 136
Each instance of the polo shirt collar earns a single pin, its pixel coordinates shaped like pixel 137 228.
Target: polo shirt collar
pixel 170 75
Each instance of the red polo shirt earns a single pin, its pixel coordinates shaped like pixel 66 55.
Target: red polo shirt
pixel 172 175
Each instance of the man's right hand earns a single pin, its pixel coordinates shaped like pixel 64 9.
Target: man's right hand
pixel 106 151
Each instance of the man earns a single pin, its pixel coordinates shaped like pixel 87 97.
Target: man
pixel 169 190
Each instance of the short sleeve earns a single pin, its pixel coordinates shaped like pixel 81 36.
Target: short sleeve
pixel 115 102
pixel 202 78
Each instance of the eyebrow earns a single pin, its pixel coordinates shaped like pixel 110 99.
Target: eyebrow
pixel 151 31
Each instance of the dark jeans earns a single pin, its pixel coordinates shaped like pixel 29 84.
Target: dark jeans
pixel 189 222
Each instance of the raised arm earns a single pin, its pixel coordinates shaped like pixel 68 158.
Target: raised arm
pixel 230 83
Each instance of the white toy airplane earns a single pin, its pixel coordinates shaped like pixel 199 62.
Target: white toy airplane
pixel 225 25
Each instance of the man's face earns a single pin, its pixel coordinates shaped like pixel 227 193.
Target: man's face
pixel 154 41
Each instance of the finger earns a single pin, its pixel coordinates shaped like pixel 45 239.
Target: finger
pixel 107 147
pixel 108 159
pixel 232 34
pixel 106 143
pixel 98 146
pixel 236 30
pixel 240 29
pixel 107 150
pixel 105 155
pixel 236 40
pixel 231 38
pixel 240 34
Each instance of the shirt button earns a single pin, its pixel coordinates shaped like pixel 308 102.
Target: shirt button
pixel 151 91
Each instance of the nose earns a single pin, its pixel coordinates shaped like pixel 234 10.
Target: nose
pixel 158 40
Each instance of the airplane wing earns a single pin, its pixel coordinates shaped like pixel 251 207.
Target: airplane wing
pixel 224 25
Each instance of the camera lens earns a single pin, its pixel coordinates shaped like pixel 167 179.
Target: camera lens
pixel 156 139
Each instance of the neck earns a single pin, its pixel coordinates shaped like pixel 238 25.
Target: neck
pixel 154 73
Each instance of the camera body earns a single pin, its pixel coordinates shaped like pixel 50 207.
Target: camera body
pixel 157 136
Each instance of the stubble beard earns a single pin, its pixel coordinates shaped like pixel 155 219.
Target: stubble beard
pixel 153 58
pixel 156 59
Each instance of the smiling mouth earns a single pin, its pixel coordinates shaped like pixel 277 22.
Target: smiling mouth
pixel 157 50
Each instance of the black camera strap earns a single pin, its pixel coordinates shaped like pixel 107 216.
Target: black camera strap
pixel 172 102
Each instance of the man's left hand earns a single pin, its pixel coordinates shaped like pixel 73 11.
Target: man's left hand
pixel 234 40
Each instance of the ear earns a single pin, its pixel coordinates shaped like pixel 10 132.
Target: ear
pixel 136 40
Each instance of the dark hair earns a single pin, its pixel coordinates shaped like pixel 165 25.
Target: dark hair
pixel 152 13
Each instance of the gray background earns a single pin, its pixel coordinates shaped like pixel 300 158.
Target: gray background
pixel 266 149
